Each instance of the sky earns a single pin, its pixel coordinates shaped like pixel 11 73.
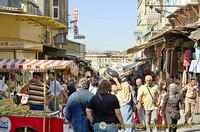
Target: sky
pixel 108 25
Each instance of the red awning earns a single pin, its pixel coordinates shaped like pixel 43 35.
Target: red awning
pixel 37 65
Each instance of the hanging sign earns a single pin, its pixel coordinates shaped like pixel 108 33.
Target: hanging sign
pixel 152 16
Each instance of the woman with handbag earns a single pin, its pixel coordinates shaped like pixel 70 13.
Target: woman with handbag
pixel 106 108
pixel 126 99
pixel 171 102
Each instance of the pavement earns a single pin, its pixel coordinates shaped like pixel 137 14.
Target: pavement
pixel 194 127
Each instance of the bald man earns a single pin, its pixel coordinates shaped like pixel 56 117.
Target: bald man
pixel 140 111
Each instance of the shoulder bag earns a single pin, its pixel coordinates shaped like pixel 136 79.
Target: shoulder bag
pixel 155 101
pixel 82 107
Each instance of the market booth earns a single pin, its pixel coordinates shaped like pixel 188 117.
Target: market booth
pixel 18 118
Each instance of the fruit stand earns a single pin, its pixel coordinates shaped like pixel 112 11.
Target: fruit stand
pixel 17 118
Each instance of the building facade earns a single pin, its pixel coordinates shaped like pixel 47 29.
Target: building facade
pixel 75 49
pixel 101 60
pixel 151 19
pixel 167 51
pixel 29 28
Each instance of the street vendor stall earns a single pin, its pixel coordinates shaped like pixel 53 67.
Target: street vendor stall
pixel 15 118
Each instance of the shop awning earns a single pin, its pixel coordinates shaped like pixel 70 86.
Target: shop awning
pixel 42 20
pixel 130 66
pixel 195 34
pixel 37 65
pixel 54 52
pixel 143 46
pixel 195 66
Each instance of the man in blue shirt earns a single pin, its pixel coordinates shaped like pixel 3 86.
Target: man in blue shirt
pixel 75 114
pixel 59 91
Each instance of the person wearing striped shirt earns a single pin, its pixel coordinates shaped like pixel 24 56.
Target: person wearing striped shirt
pixel 35 89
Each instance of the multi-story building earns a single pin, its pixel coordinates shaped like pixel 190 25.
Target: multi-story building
pixel 151 19
pixel 102 60
pixel 76 49
pixel 172 37
pixel 32 26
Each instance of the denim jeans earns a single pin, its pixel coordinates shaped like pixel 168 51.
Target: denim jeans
pixel 109 128
pixel 37 107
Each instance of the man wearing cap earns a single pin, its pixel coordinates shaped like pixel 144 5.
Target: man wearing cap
pixel 76 105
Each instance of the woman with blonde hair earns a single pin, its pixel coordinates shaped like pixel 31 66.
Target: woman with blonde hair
pixel 126 99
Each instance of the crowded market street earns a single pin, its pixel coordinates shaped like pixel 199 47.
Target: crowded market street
pixel 100 66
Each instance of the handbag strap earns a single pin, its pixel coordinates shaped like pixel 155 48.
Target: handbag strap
pixel 79 98
pixel 151 94
pixel 105 104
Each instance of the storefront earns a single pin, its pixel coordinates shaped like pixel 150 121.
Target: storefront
pixel 24 35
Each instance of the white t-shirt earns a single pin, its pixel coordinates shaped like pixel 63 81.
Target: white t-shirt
pixel 92 89
pixel 139 90
pixel 5 89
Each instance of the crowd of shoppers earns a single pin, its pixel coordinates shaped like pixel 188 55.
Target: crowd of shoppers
pixel 98 104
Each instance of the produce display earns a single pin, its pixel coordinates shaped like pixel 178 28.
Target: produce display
pixel 8 107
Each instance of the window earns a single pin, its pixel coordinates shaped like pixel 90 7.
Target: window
pixel 55 9
pixel 55 2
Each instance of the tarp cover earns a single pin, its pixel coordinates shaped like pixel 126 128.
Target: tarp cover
pixel 37 65
pixel 130 66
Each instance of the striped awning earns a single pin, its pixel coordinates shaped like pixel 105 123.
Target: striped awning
pixel 37 65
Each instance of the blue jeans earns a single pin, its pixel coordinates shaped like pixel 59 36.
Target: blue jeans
pixel 37 107
pixel 108 128
pixel 51 105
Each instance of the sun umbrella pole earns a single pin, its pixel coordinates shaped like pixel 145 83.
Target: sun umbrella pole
pixel 44 117
pixel 9 87
pixel 55 90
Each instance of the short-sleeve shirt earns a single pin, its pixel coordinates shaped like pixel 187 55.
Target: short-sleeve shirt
pixel 102 112
pixel 190 94
pixel 59 87
pixel 148 101
pixel 36 94
pixel 5 89
pixel 139 91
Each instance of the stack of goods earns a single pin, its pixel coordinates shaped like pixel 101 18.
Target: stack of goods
pixel 8 107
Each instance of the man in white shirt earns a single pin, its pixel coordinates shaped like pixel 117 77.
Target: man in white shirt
pixel 93 85
pixel 4 91
pixel 140 111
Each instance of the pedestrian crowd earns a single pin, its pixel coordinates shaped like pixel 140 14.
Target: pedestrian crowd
pixel 95 103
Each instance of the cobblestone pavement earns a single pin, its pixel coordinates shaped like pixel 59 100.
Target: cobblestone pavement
pixel 195 126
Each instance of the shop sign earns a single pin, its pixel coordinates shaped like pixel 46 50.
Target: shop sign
pixel 18 44
pixel 76 14
pixel 79 37
pixel 137 33
pixel 5 124
pixel 75 30
pixel 152 16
